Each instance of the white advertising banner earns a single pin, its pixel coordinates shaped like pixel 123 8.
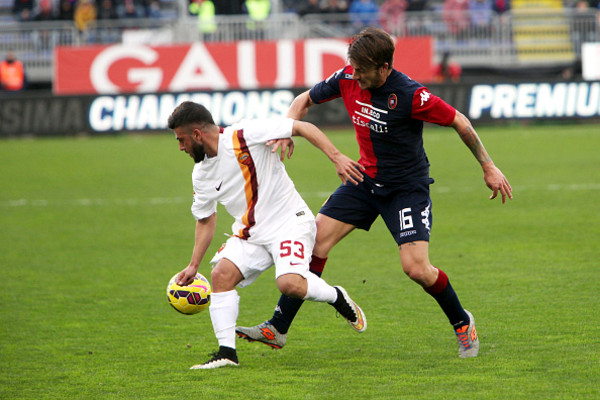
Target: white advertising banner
pixel 590 61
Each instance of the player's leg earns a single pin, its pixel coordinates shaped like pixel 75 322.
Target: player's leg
pixel 329 232
pixel 297 283
pixel 291 253
pixel 224 309
pixel 313 288
pixel 409 219
pixel 415 263
pixel 348 207
pixel 237 263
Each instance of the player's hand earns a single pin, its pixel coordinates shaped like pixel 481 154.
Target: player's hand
pixel 187 276
pixel 283 144
pixel 497 182
pixel 348 170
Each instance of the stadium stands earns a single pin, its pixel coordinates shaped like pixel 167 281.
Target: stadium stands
pixel 541 31
pixel 524 36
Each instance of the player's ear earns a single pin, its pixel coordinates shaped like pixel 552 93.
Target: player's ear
pixel 197 135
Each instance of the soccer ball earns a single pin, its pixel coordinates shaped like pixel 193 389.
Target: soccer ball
pixel 189 299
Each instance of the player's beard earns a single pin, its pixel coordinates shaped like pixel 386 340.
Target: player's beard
pixel 197 153
pixel 369 83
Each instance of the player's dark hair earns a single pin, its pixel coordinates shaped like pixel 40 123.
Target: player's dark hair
pixel 372 47
pixel 188 113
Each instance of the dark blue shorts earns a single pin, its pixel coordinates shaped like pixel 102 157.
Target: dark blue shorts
pixel 406 212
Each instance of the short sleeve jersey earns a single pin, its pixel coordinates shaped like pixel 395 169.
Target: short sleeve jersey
pixel 250 181
pixel 388 122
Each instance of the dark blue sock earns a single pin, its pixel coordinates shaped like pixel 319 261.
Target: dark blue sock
pixel 446 297
pixel 285 312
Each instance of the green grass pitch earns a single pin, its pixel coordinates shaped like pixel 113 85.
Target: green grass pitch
pixel 91 230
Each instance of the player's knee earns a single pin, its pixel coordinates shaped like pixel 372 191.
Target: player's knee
pixel 221 280
pixel 292 285
pixel 418 273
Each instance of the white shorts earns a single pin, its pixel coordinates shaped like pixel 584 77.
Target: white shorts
pixel 291 253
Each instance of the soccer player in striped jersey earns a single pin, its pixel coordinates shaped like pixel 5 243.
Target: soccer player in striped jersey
pixel 387 109
pixel 273 225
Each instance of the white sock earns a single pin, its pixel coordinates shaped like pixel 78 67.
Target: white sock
pixel 319 290
pixel 224 308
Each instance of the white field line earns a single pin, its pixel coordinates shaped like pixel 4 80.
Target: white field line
pixel 182 200
pixel 94 202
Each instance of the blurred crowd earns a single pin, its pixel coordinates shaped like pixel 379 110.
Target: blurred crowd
pixel 463 19
pixel 81 11
pixel 387 14
pixel 459 15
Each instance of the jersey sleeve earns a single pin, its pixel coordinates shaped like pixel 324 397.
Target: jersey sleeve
pixel 429 108
pixel 201 208
pixel 328 89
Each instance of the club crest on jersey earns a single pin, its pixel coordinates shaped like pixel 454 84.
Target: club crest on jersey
pixel 244 158
pixel 392 101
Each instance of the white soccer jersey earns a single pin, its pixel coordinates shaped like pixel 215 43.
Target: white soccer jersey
pixel 250 181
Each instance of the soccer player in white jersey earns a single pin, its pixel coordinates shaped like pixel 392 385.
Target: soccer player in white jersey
pixel 273 224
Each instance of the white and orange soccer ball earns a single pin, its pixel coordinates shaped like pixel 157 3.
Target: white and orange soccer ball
pixel 190 299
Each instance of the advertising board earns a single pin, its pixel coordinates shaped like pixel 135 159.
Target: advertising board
pixel 47 114
pixel 245 65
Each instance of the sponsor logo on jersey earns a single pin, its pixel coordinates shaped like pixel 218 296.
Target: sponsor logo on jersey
pixel 425 214
pixel 373 115
pixel 392 101
pixel 408 233
pixel 424 96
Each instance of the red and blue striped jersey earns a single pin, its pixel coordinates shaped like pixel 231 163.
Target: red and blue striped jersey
pixel 389 123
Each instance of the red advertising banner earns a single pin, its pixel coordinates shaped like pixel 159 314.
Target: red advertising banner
pixel 242 65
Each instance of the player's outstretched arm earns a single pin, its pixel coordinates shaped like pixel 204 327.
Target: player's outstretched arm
pixel 300 106
pixel 493 177
pixel 347 169
pixel 297 110
pixel 205 230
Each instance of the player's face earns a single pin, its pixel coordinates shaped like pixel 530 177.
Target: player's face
pixel 189 145
pixel 369 77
